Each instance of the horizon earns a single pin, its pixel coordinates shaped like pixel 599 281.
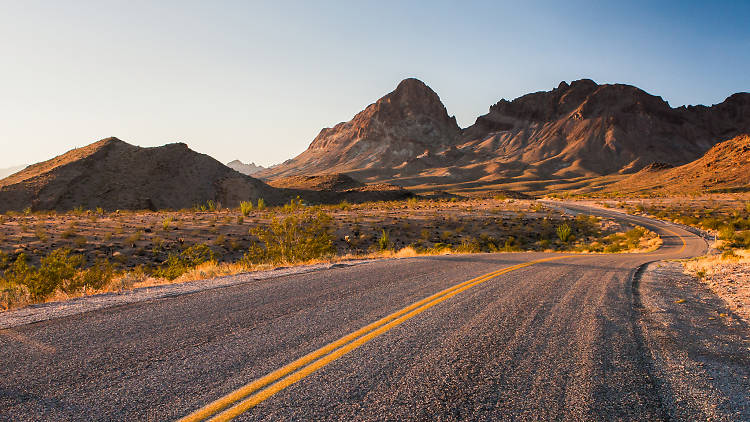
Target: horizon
pixel 157 74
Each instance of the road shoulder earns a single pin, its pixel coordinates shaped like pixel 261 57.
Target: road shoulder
pixel 700 349
pixel 53 310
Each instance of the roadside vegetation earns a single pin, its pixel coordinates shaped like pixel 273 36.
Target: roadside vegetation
pixel 725 220
pixel 54 256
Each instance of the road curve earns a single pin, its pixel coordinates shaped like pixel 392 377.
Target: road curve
pixel 532 336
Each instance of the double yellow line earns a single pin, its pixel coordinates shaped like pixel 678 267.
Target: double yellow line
pixel 248 396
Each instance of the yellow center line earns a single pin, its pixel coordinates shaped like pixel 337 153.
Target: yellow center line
pixel 280 379
pixel 350 342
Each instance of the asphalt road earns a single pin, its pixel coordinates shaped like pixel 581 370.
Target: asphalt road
pixel 554 340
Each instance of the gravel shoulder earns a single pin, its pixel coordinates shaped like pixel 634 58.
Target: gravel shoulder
pixel 700 348
pixel 52 310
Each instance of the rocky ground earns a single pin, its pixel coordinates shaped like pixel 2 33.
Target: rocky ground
pixel 729 278
pixel 700 348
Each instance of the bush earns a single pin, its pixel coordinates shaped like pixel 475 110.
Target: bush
pixel 99 275
pixel 564 232
pixel 261 204
pixel 384 241
pixel 294 238
pixel 177 265
pixel 55 269
pixel 246 207
pixel 633 237
pixel 727 233
pixel 293 205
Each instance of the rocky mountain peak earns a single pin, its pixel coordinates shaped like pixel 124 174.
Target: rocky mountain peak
pixel 401 125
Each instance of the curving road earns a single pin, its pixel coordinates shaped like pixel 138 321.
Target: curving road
pixel 548 336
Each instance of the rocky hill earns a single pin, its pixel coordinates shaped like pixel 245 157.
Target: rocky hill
pixel 332 182
pixel 113 174
pixel 577 130
pixel 726 166
pixel 10 170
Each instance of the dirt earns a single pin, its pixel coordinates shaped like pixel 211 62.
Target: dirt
pixel 130 239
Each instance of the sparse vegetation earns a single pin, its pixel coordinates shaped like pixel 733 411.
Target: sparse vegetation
pixel 126 249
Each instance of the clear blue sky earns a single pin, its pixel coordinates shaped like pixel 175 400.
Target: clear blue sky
pixel 257 80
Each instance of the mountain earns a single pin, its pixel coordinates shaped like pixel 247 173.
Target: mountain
pixel 247 169
pixel 10 170
pixel 586 129
pixel 113 174
pixel 726 166
pixel 406 123
pixel 577 130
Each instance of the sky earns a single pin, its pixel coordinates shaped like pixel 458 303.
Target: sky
pixel 256 81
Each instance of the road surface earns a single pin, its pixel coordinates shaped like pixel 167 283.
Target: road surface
pixel 531 336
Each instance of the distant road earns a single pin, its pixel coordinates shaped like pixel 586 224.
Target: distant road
pixel 459 337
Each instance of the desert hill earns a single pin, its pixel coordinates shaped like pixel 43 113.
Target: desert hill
pixel 113 174
pixel 573 132
pixel 726 166
pixel 404 124
pixel 10 170
pixel 247 169
pixel 318 182
pixel 337 187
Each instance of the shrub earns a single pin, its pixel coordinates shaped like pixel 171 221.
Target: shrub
pixel 345 205
pixel 166 223
pixel 246 207
pixel 633 237
pixel 294 238
pixel 261 204
pixel 384 241
pixel 95 277
pixel 293 205
pixel 564 232
pixel 177 265
pixel 55 269
pixel 727 233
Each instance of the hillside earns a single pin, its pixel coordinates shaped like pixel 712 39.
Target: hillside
pixel 10 170
pixel 726 166
pixel 573 133
pixel 113 174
